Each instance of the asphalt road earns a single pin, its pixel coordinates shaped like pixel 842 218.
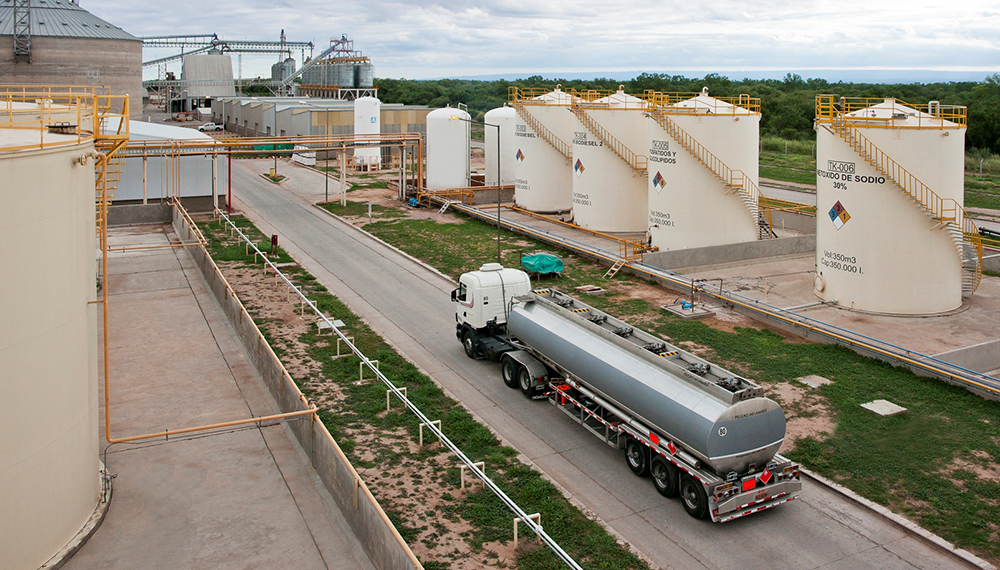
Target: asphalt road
pixel 409 305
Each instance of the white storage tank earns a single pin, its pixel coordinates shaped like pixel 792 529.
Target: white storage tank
pixel 368 121
pixel 609 193
pixel 543 174
pixel 877 250
pixel 505 118
pixel 448 142
pixel 49 469
pixel 689 205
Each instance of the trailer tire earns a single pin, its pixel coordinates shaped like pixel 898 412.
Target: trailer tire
pixel 636 456
pixel 524 380
pixel 509 371
pixel 693 497
pixel 469 343
pixel 665 477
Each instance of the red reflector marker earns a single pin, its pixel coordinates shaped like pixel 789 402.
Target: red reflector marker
pixel 654 438
pixel 749 485
pixel 765 476
pixel 671 447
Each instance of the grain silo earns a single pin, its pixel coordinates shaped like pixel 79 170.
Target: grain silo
pixel 367 121
pixel 49 468
pixel 364 75
pixel 282 70
pixel 505 119
pixel 889 237
pixel 543 136
pixel 609 164
pixel 702 173
pixel 63 44
pixel 448 149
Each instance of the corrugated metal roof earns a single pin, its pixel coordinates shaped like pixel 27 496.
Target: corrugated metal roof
pixel 61 18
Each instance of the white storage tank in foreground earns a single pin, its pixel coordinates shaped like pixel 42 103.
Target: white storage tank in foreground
pixel 877 250
pixel 448 141
pixel 609 193
pixel 505 118
pixel 367 121
pixel 689 206
pixel 49 469
pixel 543 174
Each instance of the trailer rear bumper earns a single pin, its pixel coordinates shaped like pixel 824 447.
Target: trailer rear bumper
pixel 756 501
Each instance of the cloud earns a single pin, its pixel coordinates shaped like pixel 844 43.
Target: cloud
pixel 468 37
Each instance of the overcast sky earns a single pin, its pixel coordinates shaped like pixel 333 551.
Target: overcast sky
pixel 417 39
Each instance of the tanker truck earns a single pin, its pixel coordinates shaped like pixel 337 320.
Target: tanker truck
pixel 701 432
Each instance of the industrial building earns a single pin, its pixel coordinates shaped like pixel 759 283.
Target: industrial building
pixel 56 42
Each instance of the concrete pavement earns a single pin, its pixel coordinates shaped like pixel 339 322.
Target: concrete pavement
pixel 236 498
pixel 408 304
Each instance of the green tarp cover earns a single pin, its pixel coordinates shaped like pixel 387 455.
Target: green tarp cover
pixel 542 263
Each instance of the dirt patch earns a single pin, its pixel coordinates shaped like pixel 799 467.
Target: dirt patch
pixel 807 414
pixel 983 467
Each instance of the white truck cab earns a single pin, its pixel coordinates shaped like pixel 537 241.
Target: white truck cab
pixel 482 296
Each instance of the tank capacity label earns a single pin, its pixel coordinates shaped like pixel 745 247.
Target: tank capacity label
pixel 581 139
pixel 521 184
pixel 841 179
pixel 659 151
pixel 841 262
pixel 582 199
pixel 522 131
pixel 658 218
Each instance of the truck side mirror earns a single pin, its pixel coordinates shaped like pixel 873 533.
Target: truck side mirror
pixel 454 295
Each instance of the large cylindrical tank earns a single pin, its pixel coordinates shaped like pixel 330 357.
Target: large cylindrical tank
pixel 448 142
pixel 543 175
pixel 49 467
pixel 609 194
pixel 689 205
pixel 367 121
pixel 877 250
pixel 726 436
pixel 364 75
pixel 342 74
pixel 505 118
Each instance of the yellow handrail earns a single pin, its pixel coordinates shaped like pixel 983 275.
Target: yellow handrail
pixel 896 114
pixel 669 104
pixel 636 161
pixel 942 209
pixel 735 179
pixel 547 135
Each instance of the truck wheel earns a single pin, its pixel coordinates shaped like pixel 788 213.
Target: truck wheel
pixel 635 456
pixel 664 476
pixel 469 343
pixel 508 369
pixel 524 380
pixel 693 497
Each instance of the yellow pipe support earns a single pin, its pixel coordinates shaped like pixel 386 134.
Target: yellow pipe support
pixel 168 433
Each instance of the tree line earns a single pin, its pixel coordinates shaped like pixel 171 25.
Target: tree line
pixel 787 105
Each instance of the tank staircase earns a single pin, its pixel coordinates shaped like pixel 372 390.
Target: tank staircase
pixel 945 211
pixel 638 162
pixel 735 180
pixel 546 135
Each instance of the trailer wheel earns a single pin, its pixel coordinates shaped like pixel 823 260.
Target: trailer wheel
pixel 636 457
pixel 693 497
pixel 469 343
pixel 664 476
pixel 508 369
pixel 524 379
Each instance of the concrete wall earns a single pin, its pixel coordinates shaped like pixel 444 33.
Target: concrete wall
pixel 379 538
pixel 792 221
pixel 139 214
pixel 701 257
pixel 66 61
pixel 983 357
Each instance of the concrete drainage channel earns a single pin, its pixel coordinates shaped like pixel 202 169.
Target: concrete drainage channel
pixel 330 468
pixel 806 327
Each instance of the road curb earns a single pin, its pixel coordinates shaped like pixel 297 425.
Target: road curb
pixel 388 245
pixel 907 525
